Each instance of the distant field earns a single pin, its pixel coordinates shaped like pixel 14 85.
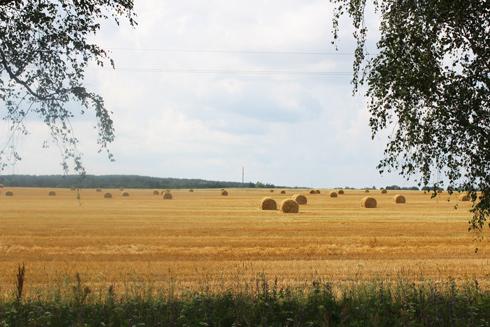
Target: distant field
pixel 202 238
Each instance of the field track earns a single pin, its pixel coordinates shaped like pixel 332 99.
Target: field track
pixel 202 237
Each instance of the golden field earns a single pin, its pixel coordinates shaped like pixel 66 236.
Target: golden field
pixel 202 238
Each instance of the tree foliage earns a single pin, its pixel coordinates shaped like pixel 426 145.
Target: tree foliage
pixel 429 85
pixel 44 51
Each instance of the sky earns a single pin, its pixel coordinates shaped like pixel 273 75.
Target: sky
pixel 206 89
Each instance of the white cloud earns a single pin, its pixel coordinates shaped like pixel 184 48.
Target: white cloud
pixel 294 130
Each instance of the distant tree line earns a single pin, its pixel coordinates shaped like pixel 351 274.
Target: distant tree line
pixel 117 181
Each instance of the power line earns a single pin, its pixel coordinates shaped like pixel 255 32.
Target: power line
pixel 237 51
pixel 231 72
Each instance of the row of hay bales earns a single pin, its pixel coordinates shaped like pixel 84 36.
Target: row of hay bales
pixel 292 205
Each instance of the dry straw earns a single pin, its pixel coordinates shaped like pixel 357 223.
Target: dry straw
pixel 464 198
pixel 283 192
pixel 98 190
pixel 107 195
pixel 155 192
pixel 9 193
pixel 366 191
pixel 340 191
pixel 167 195
pixel 191 190
pixel 73 188
pixel 52 193
pixel 1 185
pixel 289 206
pixel 383 191
pixel 399 199
pixel 369 202
pixel 125 194
pixel 317 192
pixel 224 192
pixel 267 204
pixel 121 189
pixel 312 192
pixel 333 194
pixel 272 191
pixel 300 199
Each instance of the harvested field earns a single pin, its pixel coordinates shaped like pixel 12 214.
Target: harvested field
pixel 226 240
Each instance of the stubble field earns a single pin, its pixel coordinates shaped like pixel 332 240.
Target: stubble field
pixel 202 238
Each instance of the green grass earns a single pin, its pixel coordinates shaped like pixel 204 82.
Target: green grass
pixel 265 303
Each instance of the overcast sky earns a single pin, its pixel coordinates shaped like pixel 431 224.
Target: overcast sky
pixel 204 88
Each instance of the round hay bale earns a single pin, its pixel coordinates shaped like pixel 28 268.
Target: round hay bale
pixel 439 191
pixel 1 185
pixel 289 206
pixel 224 193
pixel 312 192
pixel 272 191
pixel 73 188
pixel 369 202
pixel 383 191
pixel 333 194
pixel 366 191
pixel 399 199
pixel 107 195
pixel 125 194
pixel 155 192
pixel 267 204
pixel 121 189
pixel 9 193
pixel 191 190
pixel 52 193
pixel 167 196
pixel 340 192
pixel 300 199
pixel 98 190
pixel 317 192
pixel 464 198
pixel 283 192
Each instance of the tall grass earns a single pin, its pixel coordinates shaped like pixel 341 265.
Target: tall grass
pixel 263 303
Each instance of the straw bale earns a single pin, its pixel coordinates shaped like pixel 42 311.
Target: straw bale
pixel 121 189
pixel 340 192
pixel 283 192
pixel 399 199
pixel 268 204
pixel 1 185
pixel 300 199
pixel 464 198
pixel 333 194
pixel 9 193
pixel 224 192
pixel 125 194
pixel 383 191
pixel 289 206
pixel 155 192
pixel 191 190
pixel 167 195
pixel 98 190
pixel 312 192
pixel 369 202
pixel 366 191
pixel 52 193
pixel 107 195
pixel 439 191
pixel 272 191
pixel 317 192
pixel 73 188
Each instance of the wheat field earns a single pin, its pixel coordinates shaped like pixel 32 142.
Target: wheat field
pixel 202 238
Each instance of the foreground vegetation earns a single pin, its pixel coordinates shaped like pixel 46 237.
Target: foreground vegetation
pixel 263 303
